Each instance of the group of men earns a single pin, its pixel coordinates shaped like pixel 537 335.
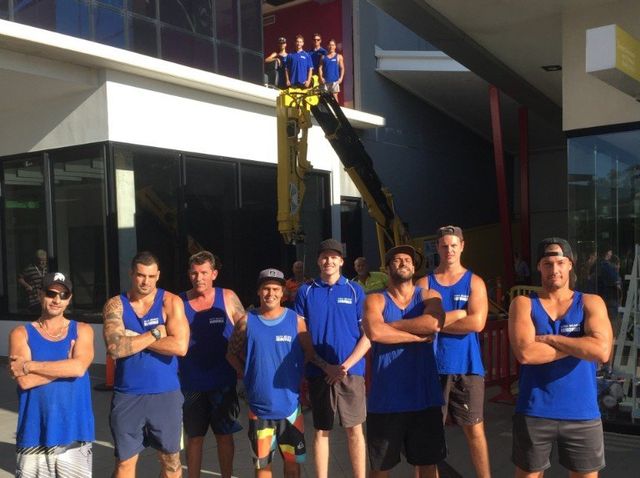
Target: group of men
pixel 297 69
pixel 425 368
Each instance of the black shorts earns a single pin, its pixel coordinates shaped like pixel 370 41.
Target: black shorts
pixel 139 421
pixel 347 397
pixel 580 443
pixel 417 435
pixel 215 409
pixel 463 398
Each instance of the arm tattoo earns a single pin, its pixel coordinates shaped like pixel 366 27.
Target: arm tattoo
pixel 238 340
pixel 118 345
pixel 237 310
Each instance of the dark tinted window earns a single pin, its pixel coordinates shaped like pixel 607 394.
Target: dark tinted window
pixel 252 68
pixel 109 27
pixel 4 9
pixel 228 60
pixel 226 20
pixel 192 15
pixel 70 17
pixel 251 23
pixel 142 37
pixel 143 7
pixel 181 47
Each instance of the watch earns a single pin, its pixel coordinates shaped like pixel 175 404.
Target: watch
pixel 156 333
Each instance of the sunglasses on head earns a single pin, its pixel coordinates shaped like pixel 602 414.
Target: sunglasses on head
pixel 52 294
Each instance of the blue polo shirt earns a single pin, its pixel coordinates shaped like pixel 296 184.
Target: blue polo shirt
pixel 298 64
pixel 333 314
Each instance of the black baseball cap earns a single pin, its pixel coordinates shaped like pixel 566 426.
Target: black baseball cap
pixel 401 249
pixel 331 245
pixel 449 231
pixel 549 241
pixel 271 275
pixel 56 278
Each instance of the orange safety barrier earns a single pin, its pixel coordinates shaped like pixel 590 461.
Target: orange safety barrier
pixel 110 373
pixel 501 368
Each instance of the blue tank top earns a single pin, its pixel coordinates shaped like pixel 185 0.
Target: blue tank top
pixel 330 68
pixel 146 371
pixel 275 364
pixel 205 366
pixel 564 389
pixel 404 377
pixel 457 353
pixel 280 70
pixel 60 412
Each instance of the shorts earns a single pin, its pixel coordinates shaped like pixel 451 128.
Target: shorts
pixel 286 433
pixel 347 397
pixel 68 461
pixel 418 435
pixel 215 409
pixel 140 421
pixel 332 87
pixel 463 398
pixel 580 443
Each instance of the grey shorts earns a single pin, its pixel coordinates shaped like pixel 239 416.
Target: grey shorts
pixel 463 398
pixel 55 461
pixel 332 87
pixel 346 397
pixel 580 443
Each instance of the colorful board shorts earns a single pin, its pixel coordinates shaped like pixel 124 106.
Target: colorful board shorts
pixel 68 461
pixel 286 434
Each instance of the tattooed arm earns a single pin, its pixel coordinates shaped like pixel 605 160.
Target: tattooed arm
pixel 234 307
pixel 237 348
pixel 119 343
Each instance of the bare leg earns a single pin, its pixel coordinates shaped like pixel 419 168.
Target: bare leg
pixel 264 472
pixel 194 456
pixel 170 465
pixel 428 471
pixel 291 470
pixel 379 474
pixel 520 473
pixel 321 453
pixel 226 450
pixel 478 449
pixel 126 468
pixel 357 451
pixel 575 474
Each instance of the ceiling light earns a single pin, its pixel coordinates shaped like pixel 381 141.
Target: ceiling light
pixel 551 67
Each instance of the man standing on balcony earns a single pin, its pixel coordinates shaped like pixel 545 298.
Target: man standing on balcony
pixel 558 335
pixel 458 355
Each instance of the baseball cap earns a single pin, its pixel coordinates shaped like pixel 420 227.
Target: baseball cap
pixel 449 231
pixel 564 246
pixel 401 249
pixel 330 245
pixel 271 275
pixel 56 278
pixel 282 40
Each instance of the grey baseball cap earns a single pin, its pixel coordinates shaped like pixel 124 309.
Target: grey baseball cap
pixel 271 275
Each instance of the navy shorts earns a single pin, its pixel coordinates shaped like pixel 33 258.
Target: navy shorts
pixel 140 421
pixel 215 409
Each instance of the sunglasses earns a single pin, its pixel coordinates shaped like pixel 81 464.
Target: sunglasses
pixel 52 294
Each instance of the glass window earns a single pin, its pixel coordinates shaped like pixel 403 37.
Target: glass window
pixel 604 210
pixel 251 24
pixel 25 223
pixel 191 15
pixel 187 49
pixel 146 8
pixel 147 200
pixel 4 9
pixel 228 61
pixel 64 16
pixel 79 214
pixel 114 3
pixel 142 37
pixel 109 26
pixel 226 20
pixel 252 68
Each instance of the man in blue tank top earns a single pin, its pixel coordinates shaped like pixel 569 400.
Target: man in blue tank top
pixel 405 400
pixel 48 359
pixel 331 70
pixel 458 354
pixel 558 335
pixel 207 380
pixel 145 329
pixel 268 349
pixel 332 306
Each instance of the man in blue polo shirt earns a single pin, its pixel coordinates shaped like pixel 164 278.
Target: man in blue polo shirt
pixel 299 66
pixel 332 306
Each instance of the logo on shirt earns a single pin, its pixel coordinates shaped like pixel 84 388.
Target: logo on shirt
pixel 216 320
pixel 344 300
pixel 461 297
pixel 151 322
pixel 283 338
pixel 566 329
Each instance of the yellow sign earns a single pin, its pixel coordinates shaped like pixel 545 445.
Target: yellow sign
pixel 627 54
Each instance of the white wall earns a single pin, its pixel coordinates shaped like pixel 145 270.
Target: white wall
pixel 586 100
